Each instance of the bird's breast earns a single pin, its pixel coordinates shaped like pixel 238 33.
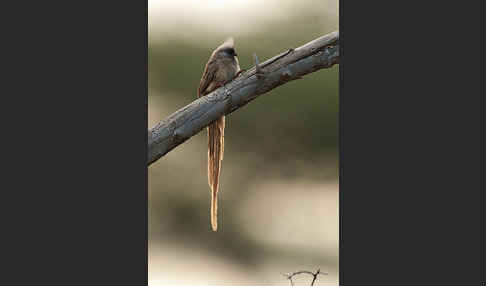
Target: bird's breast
pixel 227 70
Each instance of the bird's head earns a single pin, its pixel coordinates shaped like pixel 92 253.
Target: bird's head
pixel 226 49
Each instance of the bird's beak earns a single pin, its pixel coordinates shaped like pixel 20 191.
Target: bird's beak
pixel 236 54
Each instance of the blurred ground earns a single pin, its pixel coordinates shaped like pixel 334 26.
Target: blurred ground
pixel 279 191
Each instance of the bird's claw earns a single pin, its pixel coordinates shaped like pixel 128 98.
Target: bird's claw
pixel 240 71
pixel 222 84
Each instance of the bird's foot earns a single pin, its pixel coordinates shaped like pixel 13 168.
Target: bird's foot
pixel 238 73
pixel 223 84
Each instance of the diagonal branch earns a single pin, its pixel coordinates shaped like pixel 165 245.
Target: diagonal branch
pixel 320 53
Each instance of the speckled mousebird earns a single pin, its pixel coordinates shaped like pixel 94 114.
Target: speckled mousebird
pixel 221 68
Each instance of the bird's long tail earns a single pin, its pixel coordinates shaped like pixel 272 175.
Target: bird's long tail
pixel 215 155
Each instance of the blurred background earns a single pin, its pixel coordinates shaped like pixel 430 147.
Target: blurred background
pixel 279 179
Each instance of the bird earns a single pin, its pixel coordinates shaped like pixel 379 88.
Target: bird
pixel 222 67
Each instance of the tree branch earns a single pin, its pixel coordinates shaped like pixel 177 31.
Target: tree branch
pixel 320 53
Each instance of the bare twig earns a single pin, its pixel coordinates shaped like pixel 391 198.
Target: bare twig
pixel 320 53
pixel 291 275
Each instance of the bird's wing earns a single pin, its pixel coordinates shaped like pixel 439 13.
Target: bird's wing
pixel 207 78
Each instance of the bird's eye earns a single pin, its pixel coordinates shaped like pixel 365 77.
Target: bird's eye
pixel 230 51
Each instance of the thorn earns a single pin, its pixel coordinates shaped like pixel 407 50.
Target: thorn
pixel 258 69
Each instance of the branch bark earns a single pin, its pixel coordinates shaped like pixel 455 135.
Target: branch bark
pixel 320 53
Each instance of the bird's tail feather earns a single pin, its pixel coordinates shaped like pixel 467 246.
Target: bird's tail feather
pixel 215 155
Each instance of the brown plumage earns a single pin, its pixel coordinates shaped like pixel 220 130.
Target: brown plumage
pixel 221 68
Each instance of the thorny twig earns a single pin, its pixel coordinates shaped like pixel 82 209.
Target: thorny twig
pixel 291 275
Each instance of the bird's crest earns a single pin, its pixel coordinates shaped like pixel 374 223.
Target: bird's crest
pixel 229 43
